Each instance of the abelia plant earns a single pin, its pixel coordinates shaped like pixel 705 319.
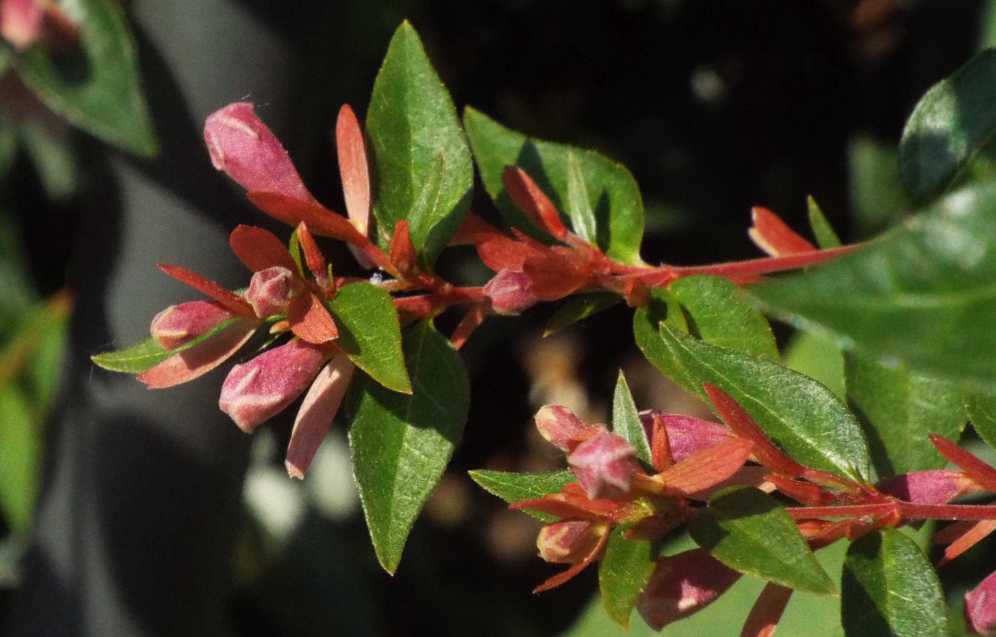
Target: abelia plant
pixel 786 470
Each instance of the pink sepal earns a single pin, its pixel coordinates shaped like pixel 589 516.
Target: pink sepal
pixel 318 409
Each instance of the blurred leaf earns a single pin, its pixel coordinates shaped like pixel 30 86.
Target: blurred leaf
pixel 148 353
pixel 826 237
pixel 981 410
pixel 817 358
pixel 370 333
pixel 750 532
pixel 36 349
pixel 612 193
pixel 20 456
pixel 902 408
pixel 53 159
pixel 401 443
pixel 8 141
pixel 626 420
pixel 412 122
pixel 949 126
pixel 878 197
pixel 578 308
pixel 623 573
pixel 890 589
pixel 45 371
pixel 913 296
pixel 513 487
pixel 97 88
pixel 16 287
pixel 987 25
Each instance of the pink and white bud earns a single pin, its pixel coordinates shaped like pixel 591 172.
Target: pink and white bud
pixel 243 147
pixel 318 409
pixel 510 292
pixel 560 427
pixel 257 390
pixel 568 542
pixel 181 323
pixel 980 607
pixel 21 22
pixel 936 486
pixel 686 435
pixel 604 465
pixel 270 291
pixel 681 585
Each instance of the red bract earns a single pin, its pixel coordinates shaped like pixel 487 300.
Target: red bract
pixel 774 236
pixel 318 409
pixel 686 434
pixel 681 585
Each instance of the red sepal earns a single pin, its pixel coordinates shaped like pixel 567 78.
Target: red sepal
pixel 259 249
pixel 231 301
pixel 313 257
pixel 354 169
pixel 533 202
pixel 310 320
pixel 971 465
pixel 767 611
pixel 401 250
pixel 773 235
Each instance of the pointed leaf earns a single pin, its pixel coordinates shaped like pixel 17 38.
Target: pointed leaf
pixel 826 237
pixel 412 121
pixel 889 589
pixel 981 409
pixel 612 193
pixel 623 573
pixel 578 308
pixel 626 420
pixel 148 353
pixel 20 458
pixel 401 443
pixel 750 532
pixel 515 487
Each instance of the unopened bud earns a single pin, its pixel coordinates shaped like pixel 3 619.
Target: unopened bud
pixel 567 542
pixel 936 486
pixel 181 323
pixel 980 607
pixel 510 292
pixel 681 585
pixel 270 291
pixel 560 427
pixel 686 435
pixel 21 22
pixel 257 390
pixel 604 465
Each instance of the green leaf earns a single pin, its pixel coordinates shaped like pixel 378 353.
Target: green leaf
pixel 421 216
pixel 370 333
pixel 750 532
pixel 20 456
pixel 819 359
pixel 913 297
pixel 626 420
pixel 579 307
pixel 721 316
pixel 53 158
pixel 412 122
pixel 579 203
pixel 901 409
pixel 294 248
pixel 889 589
pixel 825 235
pixel 97 88
pixel 401 443
pixel 877 195
pixel 148 353
pixel 981 410
pixel 612 193
pixel 796 412
pixel 513 487
pixel 623 573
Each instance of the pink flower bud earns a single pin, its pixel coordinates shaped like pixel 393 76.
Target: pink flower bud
pixel 257 390
pixel 687 435
pixel 980 607
pixel 318 409
pixel 936 486
pixel 270 291
pixel 178 324
pixel 21 22
pixel 560 427
pixel 681 585
pixel 567 542
pixel 243 147
pixel 603 465
pixel 510 292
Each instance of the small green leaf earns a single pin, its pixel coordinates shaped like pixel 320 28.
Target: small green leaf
pixel 981 410
pixel 20 458
pixel 370 333
pixel 949 126
pixel 750 532
pixel 148 353
pixel 294 248
pixel 819 359
pixel 889 589
pixel 98 87
pixel 626 420
pixel 612 193
pixel 826 237
pixel 579 307
pixel 912 297
pixel 901 409
pixel 513 487
pixel 413 126
pixel 623 573
pixel 579 203
pixel 401 443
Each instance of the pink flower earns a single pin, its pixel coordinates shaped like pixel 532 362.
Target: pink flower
pixel 510 292
pixel 569 541
pixel 681 585
pixel 980 607
pixel 686 435
pixel 560 427
pixel 270 291
pixel 936 486
pixel 603 464
pixel 181 323
pixel 21 22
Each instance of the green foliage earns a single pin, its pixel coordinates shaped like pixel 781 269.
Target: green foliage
pixel 623 573
pixel 981 410
pixel 826 236
pixel 20 458
pixel 148 353
pixel 513 487
pixel 817 358
pixel 878 197
pixel 626 420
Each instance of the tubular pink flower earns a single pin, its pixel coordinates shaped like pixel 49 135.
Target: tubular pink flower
pixel 314 418
pixel 181 323
pixel 257 390
pixel 243 147
pixel 686 435
pixel 936 486
pixel 604 465
pixel 21 22
pixel 980 607
pixel 681 585
pixel 270 291
pixel 560 427
pixel 567 542
pixel 510 292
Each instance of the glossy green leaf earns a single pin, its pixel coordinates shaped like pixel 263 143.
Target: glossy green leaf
pixel 623 573
pixel 513 487
pixel 825 235
pixel 423 213
pixel 401 443
pixel 819 359
pixel 98 87
pixel 981 410
pixel 750 532
pixel 411 122
pixel 889 589
pixel 721 316
pixel 877 195
pixel 578 206
pixel 626 420
pixel 148 353
pixel 901 408
pixel 578 308
pixel 20 457
pixel 912 297
pixel 949 126
pixel 612 193
pixel 370 333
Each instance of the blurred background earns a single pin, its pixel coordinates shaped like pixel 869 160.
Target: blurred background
pixel 126 512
